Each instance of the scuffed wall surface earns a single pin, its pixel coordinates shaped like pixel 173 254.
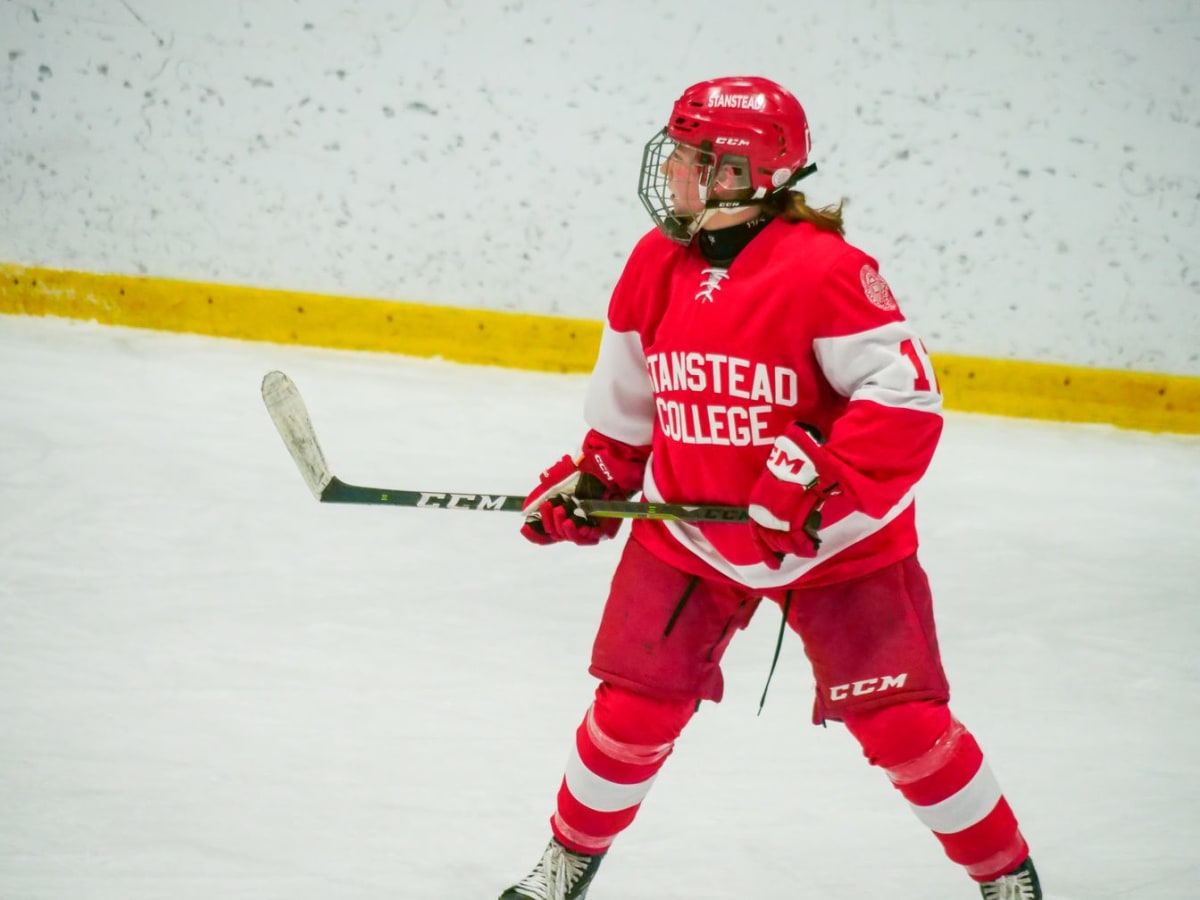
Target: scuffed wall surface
pixel 1026 172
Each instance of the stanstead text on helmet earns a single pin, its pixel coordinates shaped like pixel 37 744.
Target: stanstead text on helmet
pixel 736 101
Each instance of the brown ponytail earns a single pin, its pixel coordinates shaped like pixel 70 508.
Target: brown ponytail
pixel 792 207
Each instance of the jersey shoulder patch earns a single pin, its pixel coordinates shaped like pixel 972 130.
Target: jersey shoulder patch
pixel 876 288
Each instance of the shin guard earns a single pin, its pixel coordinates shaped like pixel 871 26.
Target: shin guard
pixel 936 764
pixel 619 747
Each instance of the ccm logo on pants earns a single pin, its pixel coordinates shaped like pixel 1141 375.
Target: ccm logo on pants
pixel 867 686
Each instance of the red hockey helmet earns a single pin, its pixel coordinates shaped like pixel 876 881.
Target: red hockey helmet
pixel 744 138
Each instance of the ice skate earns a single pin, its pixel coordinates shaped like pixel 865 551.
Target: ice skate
pixel 559 875
pixel 1019 884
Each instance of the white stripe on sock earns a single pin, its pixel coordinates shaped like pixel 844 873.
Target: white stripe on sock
pixel 970 805
pixel 598 793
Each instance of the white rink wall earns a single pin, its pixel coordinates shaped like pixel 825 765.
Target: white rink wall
pixel 1028 173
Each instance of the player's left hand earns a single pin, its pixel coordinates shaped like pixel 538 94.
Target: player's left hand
pixel 552 511
pixel 786 501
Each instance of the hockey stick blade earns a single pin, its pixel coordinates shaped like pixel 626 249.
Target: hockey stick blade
pixel 288 412
pixel 291 419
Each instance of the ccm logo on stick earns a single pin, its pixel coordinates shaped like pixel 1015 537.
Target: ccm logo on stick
pixel 461 501
pixel 867 686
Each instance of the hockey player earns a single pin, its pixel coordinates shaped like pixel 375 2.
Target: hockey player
pixel 752 357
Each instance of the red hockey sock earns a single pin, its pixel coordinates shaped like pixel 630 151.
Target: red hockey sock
pixel 937 765
pixel 621 744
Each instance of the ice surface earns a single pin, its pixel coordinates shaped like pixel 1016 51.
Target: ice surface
pixel 213 687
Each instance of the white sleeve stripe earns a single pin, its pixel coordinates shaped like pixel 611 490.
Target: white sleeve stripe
pixel 922 402
pixel 620 397
pixel 889 361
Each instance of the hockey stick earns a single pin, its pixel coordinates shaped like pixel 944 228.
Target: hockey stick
pixel 292 421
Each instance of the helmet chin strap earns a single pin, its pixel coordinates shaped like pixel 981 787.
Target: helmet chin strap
pixel 710 211
pixel 705 217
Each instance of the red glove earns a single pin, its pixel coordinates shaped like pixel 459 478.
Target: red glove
pixel 786 501
pixel 604 471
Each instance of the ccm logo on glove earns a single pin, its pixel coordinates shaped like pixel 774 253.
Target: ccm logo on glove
pixel 786 501
pixel 790 463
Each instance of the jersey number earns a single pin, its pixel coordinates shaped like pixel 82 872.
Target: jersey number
pixel 919 359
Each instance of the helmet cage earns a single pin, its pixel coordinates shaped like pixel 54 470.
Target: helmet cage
pixel 722 183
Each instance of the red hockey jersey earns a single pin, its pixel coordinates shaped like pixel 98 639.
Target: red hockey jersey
pixel 707 365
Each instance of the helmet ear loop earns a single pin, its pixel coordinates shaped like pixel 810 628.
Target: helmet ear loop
pixel 715 203
pixel 712 205
pixel 704 178
pixel 731 179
